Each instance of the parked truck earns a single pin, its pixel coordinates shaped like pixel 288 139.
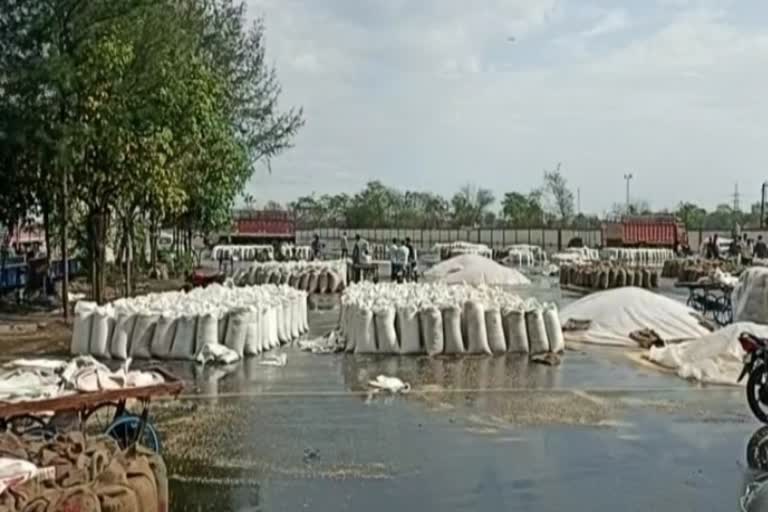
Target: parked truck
pixel 268 227
pixel 658 231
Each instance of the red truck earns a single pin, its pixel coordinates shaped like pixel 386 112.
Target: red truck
pixel 261 227
pixel 659 231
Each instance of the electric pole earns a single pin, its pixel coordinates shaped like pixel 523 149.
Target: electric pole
pixel 628 178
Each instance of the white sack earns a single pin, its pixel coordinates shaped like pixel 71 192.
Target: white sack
pixel 366 333
pixel 122 334
pixel 334 282
pixel 184 339
pixel 237 327
pixel 477 335
pixel 207 331
pixel 322 282
pixel 274 338
pixel 101 331
pixel 222 329
pixel 312 283
pixel 537 331
pixel 296 323
pixel 453 339
pixel 351 336
pixel 554 330
pixel 143 331
pixel 431 321
pixel 81 331
pixel 386 335
pixel 252 346
pixel 162 340
pixel 515 331
pixel 408 331
pixel 495 330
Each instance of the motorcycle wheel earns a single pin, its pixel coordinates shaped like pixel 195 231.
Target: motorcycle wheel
pixel 757 450
pixel 755 383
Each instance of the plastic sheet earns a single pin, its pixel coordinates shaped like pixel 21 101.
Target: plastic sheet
pixel 614 314
pixel 750 296
pixel 475 270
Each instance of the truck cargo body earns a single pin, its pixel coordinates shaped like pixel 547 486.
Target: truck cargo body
pixel 661 232
pixel 261 226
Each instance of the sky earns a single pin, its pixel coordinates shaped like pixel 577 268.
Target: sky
pixel 435 94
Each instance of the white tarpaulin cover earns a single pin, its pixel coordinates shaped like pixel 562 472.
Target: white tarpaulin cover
pixel 614 314
pixel 475 270
pixel 750 296
pixel 715 358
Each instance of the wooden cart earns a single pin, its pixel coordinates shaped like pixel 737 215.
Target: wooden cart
pixel 93 413
pixel 711 299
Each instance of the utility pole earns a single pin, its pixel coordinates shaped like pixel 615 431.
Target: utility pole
pixel 628 178
pixel 578 199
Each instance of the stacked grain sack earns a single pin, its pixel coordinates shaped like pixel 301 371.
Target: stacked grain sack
pixel 641 257
pixel 243 252
pixel 176 325
pixel 459 248
pixel 91 474
pixel 689 270
pixel 309 276
pixel 446 319
pixel 603 276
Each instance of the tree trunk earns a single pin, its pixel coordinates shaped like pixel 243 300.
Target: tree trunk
pixel 153 241
pixel 99 225
pixel 46 207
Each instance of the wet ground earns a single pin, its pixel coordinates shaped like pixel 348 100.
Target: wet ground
pixel 598 432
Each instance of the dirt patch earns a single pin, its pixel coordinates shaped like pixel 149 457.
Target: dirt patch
pixel 38 334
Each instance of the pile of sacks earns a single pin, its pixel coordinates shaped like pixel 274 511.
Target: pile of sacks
pixel 177 325
pixel 605 276
pixel 458 248
pixel 524 255
pixel 690 270
pixel 295 252
pixel 446 319
pixel 655 257
pixel 243 252
pixel 309 276
pixel 72 472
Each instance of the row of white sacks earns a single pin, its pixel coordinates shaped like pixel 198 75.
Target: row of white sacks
pixel 446 319
pixel 309 276
pixel 177 325
pixel 243 252
pixel 639 256
pixel 452 249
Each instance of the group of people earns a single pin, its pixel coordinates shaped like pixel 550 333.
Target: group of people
pixel 742 249
pixel 402 259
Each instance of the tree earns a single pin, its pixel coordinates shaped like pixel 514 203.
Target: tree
pixel 560 196
pixel 522 211
pixel 469 205
pixel 691 215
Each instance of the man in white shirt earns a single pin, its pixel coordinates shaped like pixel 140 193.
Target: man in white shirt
pixel 394 259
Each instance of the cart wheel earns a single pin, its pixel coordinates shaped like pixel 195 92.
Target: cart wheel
pixel 125 429
pixel 98 420
pixel 723 312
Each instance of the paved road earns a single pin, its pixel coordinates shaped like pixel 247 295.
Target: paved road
pixel 597 433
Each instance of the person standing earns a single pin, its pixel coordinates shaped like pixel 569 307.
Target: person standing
pixel 748 252
pixel 761 250
pixel 344 246
pixel 394 260
pixel 316 248
pixel 412 258
pixel 356 259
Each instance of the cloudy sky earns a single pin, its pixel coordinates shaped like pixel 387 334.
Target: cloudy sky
pixel 434 94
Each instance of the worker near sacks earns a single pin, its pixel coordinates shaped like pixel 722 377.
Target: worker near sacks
pixel 395 259
pixel 412 259
pixel 344 246
pixel 761 249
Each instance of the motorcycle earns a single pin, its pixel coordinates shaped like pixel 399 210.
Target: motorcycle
pixel 756 366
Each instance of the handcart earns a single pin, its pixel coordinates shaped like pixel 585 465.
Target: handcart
pixel 93 413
